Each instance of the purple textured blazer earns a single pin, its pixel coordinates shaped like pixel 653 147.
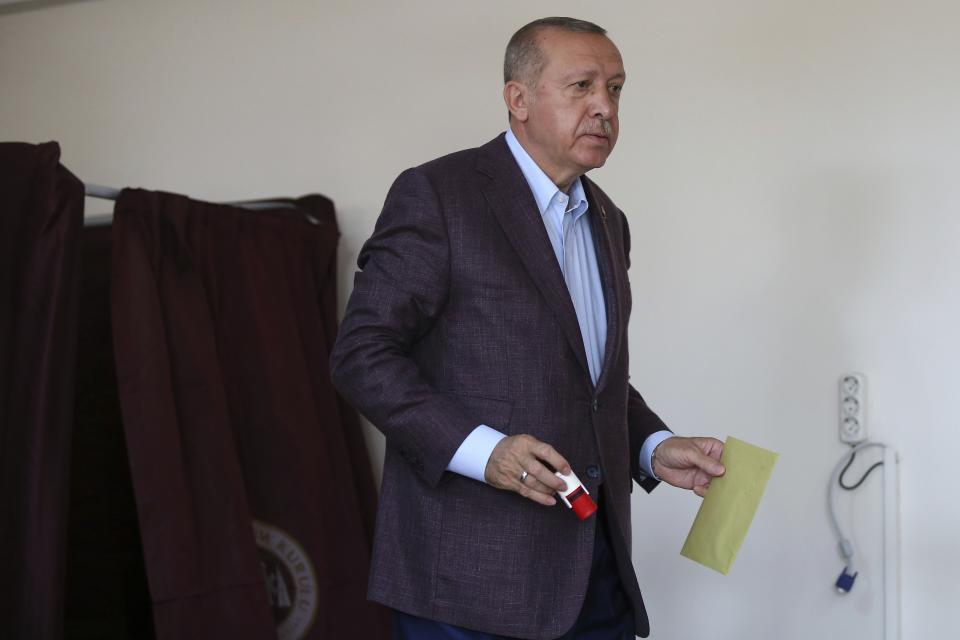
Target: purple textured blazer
pixel 460 316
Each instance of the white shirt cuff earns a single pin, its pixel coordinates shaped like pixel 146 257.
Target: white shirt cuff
pixel 474 452
pixel 646 452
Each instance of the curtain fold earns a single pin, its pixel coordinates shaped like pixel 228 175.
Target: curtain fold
pixel 105 593
pixel 40 223
pixel 253 487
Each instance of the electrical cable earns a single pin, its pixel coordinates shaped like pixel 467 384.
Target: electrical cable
pixel 845 581
pixel 862 478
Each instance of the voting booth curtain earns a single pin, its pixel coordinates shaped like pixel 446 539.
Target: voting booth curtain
pixel 41 216
pixel 250 477
pixel 255 502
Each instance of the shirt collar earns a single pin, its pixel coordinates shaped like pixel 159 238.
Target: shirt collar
pixel 544 190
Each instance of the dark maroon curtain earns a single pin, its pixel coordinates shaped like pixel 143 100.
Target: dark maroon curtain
pixel 105 595
pixel 41 215
pixel 252 482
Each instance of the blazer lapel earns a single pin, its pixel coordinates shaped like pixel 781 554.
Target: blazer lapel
pixel 610 277
pixel 512 202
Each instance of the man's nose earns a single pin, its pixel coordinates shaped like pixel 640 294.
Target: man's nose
pixel 603 105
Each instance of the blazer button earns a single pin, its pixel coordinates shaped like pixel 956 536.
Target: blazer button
pixel 594 405
pixel 593 472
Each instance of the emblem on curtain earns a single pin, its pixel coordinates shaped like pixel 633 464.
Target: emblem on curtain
pixel 290 579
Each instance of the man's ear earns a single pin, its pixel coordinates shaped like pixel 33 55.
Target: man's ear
pixel 517 97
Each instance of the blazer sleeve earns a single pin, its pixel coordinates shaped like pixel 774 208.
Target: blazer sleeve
pixel 642 422
pixel 398 295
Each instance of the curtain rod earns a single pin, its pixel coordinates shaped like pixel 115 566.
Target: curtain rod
pixel 100 191
pixel 110 193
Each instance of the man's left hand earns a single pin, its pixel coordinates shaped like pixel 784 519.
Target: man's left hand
pixel 689 463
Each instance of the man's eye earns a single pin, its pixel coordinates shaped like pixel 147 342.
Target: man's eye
pixel 582 84
pixel 615 89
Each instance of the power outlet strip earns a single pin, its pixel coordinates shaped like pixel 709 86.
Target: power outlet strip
pixel 853 408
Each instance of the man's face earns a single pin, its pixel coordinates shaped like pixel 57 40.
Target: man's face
pixel 571 123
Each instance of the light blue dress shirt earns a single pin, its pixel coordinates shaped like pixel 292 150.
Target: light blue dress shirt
pixel 568 227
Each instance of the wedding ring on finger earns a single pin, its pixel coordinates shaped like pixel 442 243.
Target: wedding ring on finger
pixel 523 476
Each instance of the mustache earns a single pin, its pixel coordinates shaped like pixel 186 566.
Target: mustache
pixel 598 127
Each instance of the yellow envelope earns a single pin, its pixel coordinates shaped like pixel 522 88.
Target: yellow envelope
pixel 729 506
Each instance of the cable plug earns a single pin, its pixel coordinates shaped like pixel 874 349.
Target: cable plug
pixel 845 581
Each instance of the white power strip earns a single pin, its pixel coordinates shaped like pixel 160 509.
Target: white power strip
pixel 853 408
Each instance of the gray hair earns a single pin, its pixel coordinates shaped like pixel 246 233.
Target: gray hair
pixel 524 59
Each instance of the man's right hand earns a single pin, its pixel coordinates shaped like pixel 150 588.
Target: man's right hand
pixel 515 454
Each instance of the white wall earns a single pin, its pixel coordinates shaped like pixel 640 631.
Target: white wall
pixel 788 168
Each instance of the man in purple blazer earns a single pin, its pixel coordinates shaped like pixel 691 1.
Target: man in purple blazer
pixel 486 337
